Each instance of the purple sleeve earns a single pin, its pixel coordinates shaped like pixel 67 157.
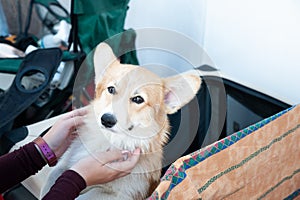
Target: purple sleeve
pixel 67 187
pixel 19 165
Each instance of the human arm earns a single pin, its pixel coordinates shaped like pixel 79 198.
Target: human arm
pixel 18 165
pixel 26 161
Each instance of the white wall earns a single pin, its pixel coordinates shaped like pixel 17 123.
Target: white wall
pixel 253 42
pixel 184 18
pixel 257 43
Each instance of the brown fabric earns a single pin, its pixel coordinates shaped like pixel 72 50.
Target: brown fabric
pixel 262 165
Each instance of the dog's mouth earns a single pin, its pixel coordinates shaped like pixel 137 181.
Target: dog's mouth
pixel 117 129
pixel 113 129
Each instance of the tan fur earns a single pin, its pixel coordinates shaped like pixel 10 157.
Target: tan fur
pixel 144 125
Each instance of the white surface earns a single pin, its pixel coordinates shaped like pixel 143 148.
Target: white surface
pixel 6 80
pixel 255 43
pixel 182 17
pixel 187 17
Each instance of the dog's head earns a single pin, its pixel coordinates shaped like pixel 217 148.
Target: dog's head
pixel 131 103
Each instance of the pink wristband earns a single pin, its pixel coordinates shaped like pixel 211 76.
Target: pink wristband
pixel 48 154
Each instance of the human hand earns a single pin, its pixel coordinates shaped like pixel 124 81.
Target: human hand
pixel 104 167
pixel 61 134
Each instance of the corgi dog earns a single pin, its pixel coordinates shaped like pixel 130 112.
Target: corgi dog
pixel 129 111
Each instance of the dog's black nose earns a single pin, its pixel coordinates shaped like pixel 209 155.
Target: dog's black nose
pixel 108 120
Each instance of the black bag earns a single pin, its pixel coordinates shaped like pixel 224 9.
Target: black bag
pixel 34 76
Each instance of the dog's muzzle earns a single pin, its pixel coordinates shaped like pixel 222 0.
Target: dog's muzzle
pixel 108 120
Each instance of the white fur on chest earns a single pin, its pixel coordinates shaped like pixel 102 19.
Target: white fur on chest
pixel 91 139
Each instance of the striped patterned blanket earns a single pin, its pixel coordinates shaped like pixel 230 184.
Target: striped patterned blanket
pixel 258 162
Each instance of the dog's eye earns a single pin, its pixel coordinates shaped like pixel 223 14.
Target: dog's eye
pixel 137 99
pixel 111 90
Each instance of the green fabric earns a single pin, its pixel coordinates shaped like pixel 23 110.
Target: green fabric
pixel 68 56
pixel 92 7
pixel 10 65
pixel 102 19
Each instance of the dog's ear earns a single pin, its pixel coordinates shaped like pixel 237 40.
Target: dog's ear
pixel 103 58
pixel 180 89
